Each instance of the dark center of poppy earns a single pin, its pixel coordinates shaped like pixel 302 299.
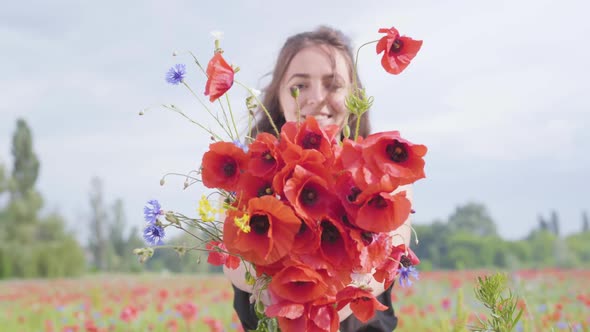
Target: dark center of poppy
pixel 367 237
pixel 229 168
pixel 259 223
pixel 397 46
pixel 267 157
pixel 311 141
pixel 378 202
pixel 405 260
pixel 265 190
pixel 346 221
pixel 309 196
pixel 302 228
pixel 354 192
pixel 330 233
pixel 397 152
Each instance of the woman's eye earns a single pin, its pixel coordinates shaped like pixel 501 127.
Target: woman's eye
pixel 299 86
pixel 334 87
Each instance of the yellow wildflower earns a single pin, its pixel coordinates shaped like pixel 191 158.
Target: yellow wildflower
pixel 243 223
pixel 206 211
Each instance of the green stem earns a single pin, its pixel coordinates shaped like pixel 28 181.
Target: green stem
pixel 175 109
pixel 298 111
pixel 356 60
pixel 355 86
pixel 225 119
pixel 272 123
pixel 232 116
pixel 197 62
pixel 207 109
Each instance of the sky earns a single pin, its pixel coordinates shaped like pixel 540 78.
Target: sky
pixel 498 93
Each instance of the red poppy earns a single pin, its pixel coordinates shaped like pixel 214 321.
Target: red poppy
pixel 388 153
pixel 397 50
pixel 293 324
pixel 306 239
pixel 285 309
pixel 129 313
pixel 187 310
pixel 293 155
pixel 251 186
pixel 388 270
pixel 382 211
pixel 298 284
pixel 310 136
pixel 335 244
pixel 273 226
pixel 362 302
pixel 218 255
pixel 220 77
pixel 323 318
pixel 309 194
pixel 263 157
pixel 222 165
pixel 373 249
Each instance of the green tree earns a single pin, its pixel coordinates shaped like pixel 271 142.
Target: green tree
pixel 97 241
pixel 31 246
pixel 473 218
pixel 26 165
pixel 554 223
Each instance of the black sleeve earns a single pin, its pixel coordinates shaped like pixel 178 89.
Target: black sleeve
pixel 384 321
pixel 245 309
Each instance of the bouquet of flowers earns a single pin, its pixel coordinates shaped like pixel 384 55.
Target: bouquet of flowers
pixel 309 210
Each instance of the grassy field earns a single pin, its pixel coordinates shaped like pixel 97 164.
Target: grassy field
pixel 554 300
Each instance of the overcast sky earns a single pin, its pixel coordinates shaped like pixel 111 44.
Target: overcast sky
pixel 498 93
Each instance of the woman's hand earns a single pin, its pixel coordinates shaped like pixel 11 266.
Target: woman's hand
pixel 238 277
pixel 401 235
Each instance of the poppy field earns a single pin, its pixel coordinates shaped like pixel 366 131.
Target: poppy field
pixel 553 300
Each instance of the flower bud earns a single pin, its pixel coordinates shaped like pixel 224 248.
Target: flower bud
pixel 172 218
pixel 295 92
pixel 346 131
pixel 180 251
pixel 162 181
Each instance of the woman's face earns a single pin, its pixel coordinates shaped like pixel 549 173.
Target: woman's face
pixel 321 74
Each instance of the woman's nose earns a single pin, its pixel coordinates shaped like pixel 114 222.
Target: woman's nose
pixel 316 94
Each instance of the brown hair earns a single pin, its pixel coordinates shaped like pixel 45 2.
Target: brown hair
pixel 321 36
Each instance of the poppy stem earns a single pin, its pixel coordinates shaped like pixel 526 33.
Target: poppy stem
pixel 272 123
pixel 198 64
pixel 208 110
pixel 177 110
pixel 356 60
pixel 231 114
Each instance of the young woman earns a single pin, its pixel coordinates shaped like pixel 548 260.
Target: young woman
pixel 320 65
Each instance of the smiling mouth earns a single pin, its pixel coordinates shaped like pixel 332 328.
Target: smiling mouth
pixel 317 116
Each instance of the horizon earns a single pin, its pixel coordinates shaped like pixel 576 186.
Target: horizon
pixel 497 94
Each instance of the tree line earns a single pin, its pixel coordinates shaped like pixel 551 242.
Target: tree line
pixel 469 239
pixel 34 245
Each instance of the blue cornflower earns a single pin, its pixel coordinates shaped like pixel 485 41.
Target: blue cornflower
pixel 404 275
pixel 153 234
pixel 152 210
pixel 176 74
pixel 241 145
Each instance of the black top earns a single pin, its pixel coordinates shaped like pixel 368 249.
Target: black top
pixel 383 321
